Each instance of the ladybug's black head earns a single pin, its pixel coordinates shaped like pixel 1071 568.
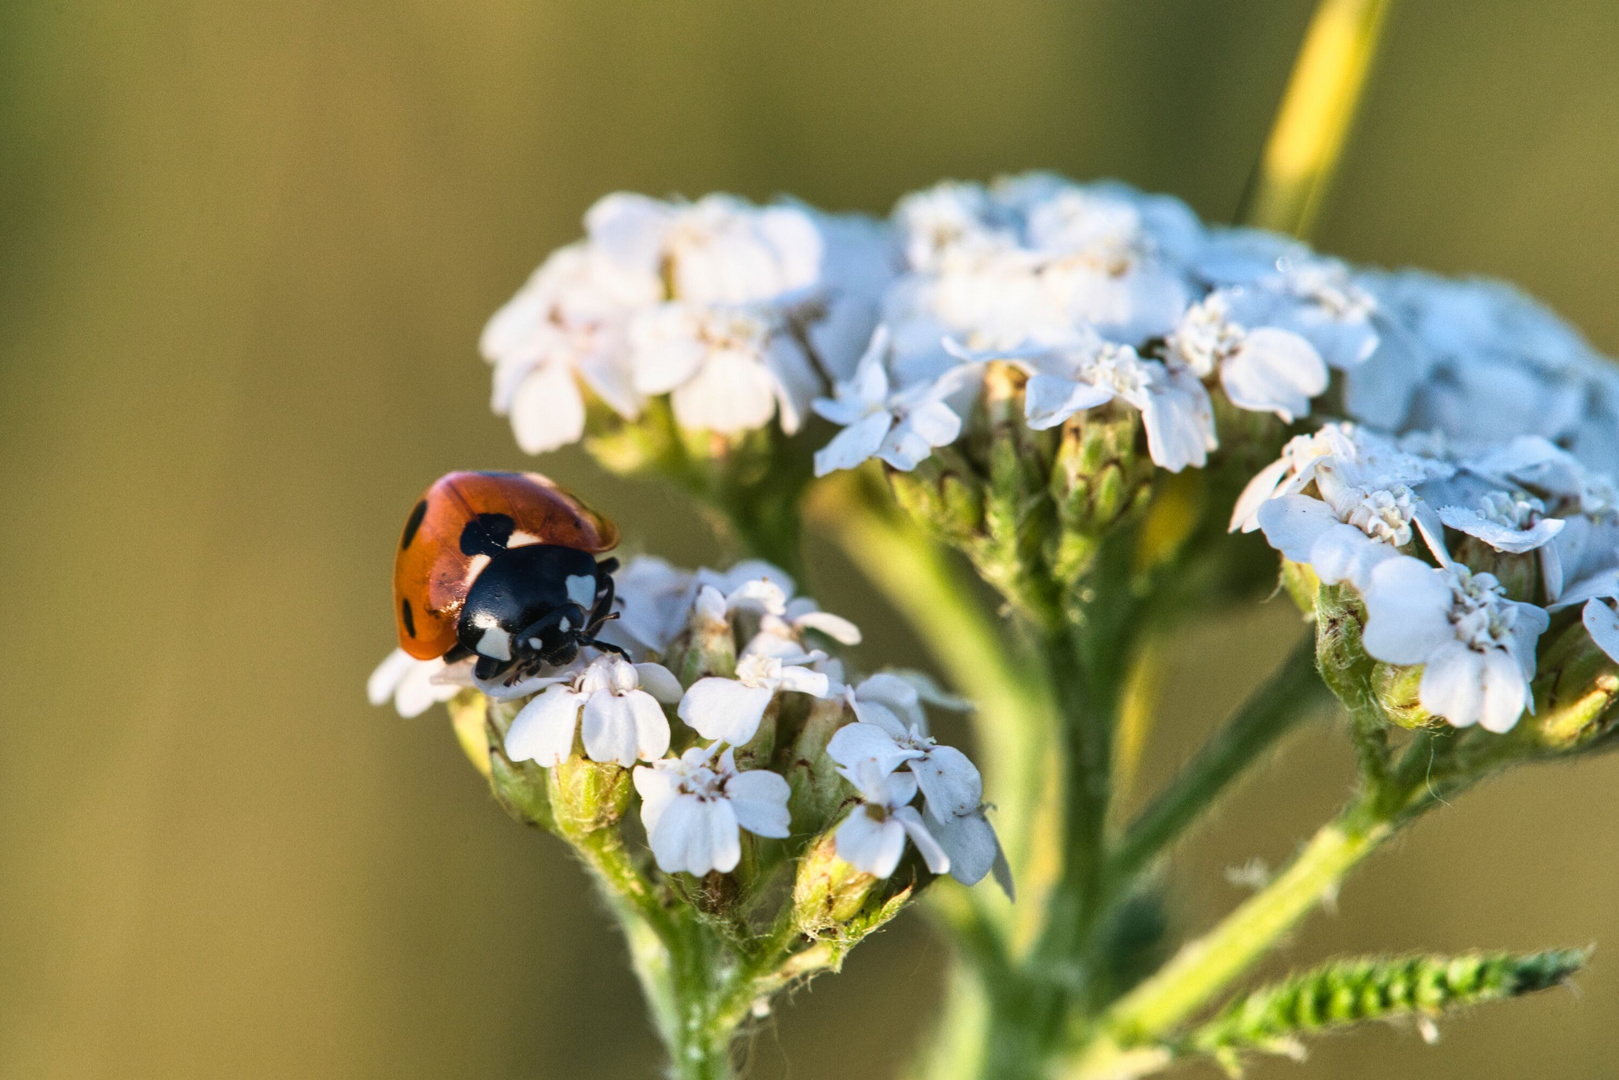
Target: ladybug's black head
pixel 534 605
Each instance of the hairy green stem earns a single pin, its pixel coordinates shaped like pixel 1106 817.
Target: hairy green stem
pixel 1291 694
pixel 1205 967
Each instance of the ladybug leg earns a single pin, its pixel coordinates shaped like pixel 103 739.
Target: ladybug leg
pixel 488 669
pixel 605 593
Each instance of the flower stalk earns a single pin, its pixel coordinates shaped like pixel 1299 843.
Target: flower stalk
pixel 1317 113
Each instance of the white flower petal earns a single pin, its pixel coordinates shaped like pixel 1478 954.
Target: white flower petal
pixel 897 697
pixel 854 444
pixel 971 844
pixel 629 229
pixel 912 440
pixel 1344 553
pixel 1274 371
pixel 836 627
pixel 547 410
pixel 543 731
pixel 870 844
pixel 731 392
pixel 1604 585
pixel 657 788
pixel 420 689
pixel 624 727
pixel 949 782
pixel 932 854
pixel 1499 536
pixel 759 800
pixel 1254 495
pixel 802 680
pixel 386 678
pixel 1048 400
pixel 1293 523
pixel 1180 423
pixel 854 743
pixel 1504 691
pixel 660 682
pixel 1408 611
pixel 1602 623
pixel 1528 623
pixel 725 709
pixel 1453 684
pixel 696 835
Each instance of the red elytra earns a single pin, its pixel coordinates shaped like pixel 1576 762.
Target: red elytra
pixel 432 572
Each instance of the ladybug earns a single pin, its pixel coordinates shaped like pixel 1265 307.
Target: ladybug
pixel 502 566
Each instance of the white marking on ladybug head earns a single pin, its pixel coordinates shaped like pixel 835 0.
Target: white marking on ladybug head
pixel 581 590
pixel 564 625
pixel 519 538
pixel 495 643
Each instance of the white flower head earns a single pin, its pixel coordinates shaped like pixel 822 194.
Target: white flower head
pixel 1366 478
pixel 415 685
pixel 693 807
pixel 1513 522
pixel 727 368
pixel 1087 372
pixel 565 326
pixel 653 600
pixel 1319 300
pixel 891 732
pixel 1266 369
pixel 729 710
pixel 872 837
pixel 1477 646
pixel 718 250
pixel 619 702
pixel 901 428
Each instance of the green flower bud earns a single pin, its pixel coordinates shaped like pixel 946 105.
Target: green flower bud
pixel 1576 691
pixel 757 751
pixel 1300 582
pixel 706 647
pixel 818 791
pixel 587 796
pixel 522 788
pixel 1397 690
pixel 468 717
pixel 828 892
pixel 1519 575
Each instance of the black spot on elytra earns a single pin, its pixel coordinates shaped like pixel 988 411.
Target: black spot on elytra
pixel 408 616
pixel 486 534
pixel 413 523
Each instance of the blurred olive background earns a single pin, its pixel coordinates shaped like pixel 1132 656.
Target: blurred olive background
pixel 245 253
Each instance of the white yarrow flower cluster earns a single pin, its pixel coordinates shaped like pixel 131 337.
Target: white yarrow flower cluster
pixel 1353 503
pixel 1098 294
pixel 888 755
pixel 738 312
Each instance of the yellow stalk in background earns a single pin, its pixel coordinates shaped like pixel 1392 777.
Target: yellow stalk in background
pixel 1317 111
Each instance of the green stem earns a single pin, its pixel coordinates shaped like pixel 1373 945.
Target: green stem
pixel 1205 967
pixel 1315 116
pixel 1291 694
